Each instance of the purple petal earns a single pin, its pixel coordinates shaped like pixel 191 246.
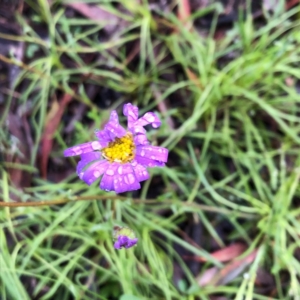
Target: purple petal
pixel 131 242
pixel 103 137
pixel 107 182
pixel 125 179
pixel 83 148
pixel 136 129
pixel 117 245
pixel 140 171
pixel 148 162
pixel 141 139
pixel 121 242
pixel 153 152
pixel 149 118
pixel 87 158
pixel 94 171
pixel 115 129
pixel 114 117
pixel 131 112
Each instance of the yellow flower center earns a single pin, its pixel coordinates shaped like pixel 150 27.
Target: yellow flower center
pixel 121 150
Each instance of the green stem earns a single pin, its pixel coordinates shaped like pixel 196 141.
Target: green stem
pixel 55 202
pixel 140 201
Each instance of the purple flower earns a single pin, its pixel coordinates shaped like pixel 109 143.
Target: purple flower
pixel 119 156
pixel 124 241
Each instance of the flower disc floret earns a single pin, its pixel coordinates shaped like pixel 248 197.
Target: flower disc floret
pixel 120 150
pixel 120 156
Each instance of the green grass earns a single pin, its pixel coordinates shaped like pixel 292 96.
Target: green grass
pixel 234 159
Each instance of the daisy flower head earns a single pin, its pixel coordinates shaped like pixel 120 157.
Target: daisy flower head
pixel 121 157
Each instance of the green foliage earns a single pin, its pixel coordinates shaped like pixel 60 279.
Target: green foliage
pixel 235 151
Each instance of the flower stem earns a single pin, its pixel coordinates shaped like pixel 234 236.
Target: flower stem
pixel 202 207
pixel 56 202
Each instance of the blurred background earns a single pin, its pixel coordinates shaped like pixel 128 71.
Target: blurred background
pixel 221 220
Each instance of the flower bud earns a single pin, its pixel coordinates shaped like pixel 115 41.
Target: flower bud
pixel 124 237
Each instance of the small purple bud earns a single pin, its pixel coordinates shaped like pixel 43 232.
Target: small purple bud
pixel 124 238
